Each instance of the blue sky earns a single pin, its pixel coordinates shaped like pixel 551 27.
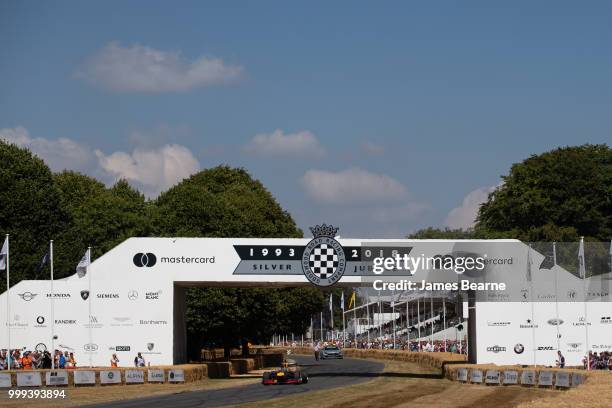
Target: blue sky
pixel 381 118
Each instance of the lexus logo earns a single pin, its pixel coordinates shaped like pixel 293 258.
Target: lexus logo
pixel 145 259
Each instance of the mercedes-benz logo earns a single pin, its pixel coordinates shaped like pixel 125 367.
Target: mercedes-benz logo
pixel 132 295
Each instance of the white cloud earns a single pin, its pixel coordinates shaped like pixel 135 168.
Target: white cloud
pixel 352 186
pixel 465 216
pixel 144 69
pixel 154 169
pixel 59 154
pixel 278 143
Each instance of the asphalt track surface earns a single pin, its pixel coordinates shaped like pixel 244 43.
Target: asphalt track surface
pixel 322 375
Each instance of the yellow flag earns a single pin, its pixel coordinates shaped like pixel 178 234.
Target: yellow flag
pixel 351 300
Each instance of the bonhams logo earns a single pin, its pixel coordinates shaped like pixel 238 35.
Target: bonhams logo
pixel 145 259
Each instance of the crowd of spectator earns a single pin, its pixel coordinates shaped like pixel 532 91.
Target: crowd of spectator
pixel 28 360
pixel 598 361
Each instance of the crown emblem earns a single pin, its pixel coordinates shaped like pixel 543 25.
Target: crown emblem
pixel 324 231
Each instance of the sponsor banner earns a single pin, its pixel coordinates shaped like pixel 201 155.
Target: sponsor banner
pixel 462 374
pixel 56 378
pixel 110 377
pixel 155 375
pixel 546 378
pixel 5 380
pixel 577 379
pixel 32 379
pixel 134 376
pixel 528 377
pixel 562 379
pixel 476 376
pixel 84 377
pixel 510 377
pixel 176 376
pixel 492 377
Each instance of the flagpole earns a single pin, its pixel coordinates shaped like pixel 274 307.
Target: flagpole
pixel 355 317
pixel 444 320
pixel 533 334
pixel 321 327
pixel 556 296
pixel 8 304
pixel 393 316
pixel 419 323
pixel 331 315
pixel 89 302
pixel 368 317
pixel 343 323
pixel 582 271
pixel 52 307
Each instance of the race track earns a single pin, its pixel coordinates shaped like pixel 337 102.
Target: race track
pixel 322 375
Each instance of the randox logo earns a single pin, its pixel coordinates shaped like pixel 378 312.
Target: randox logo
pixel 145 259
pixel 323 260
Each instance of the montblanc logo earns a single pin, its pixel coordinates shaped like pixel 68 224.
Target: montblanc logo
pixel 496 349
pixel 606 320
pixel 153 295
pixel 144 259
pixel 27 296
pixel 323 260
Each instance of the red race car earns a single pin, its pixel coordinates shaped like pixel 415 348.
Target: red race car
pixel 289 373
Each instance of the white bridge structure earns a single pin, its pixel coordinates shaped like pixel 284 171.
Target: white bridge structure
pixel 132 299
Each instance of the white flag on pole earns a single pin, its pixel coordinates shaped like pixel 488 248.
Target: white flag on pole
pixel 331 305
pixel 342 301
pixel 81 268
pixel 3 254
pixel 581 267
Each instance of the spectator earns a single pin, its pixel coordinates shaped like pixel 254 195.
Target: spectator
pixel 114 360
pixel 561 360
pixel 26 361
pixel 61 362
pixel 317 350
pixel 139 360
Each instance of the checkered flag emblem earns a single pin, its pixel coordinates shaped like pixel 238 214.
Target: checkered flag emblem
pixel 323 261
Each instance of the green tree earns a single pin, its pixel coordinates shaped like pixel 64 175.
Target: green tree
pixel 30 209
pixel 555 196
pixel 446 233
pixel 99 217
pixel 227 202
